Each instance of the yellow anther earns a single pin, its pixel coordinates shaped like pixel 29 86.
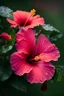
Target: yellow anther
pixel 33 12
pixel 37 58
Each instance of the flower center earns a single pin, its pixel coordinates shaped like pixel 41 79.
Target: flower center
pixel 37 58
pixel 33 60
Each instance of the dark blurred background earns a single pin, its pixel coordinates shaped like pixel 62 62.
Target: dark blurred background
pixel 53 13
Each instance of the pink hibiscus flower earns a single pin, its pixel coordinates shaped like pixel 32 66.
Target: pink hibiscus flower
pixel 33 58
pixel 25 19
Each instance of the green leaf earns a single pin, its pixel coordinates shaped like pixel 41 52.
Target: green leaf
pixel 5 70
pixel 59 74
pixel 52 33
pixel 54 36
pixel 19 83
pixel 48 27
pixel 6 12
pixel 5 49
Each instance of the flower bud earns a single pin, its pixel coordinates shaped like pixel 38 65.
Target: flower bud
pixel 5 36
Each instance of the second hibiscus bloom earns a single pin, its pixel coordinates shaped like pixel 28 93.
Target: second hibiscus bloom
pixel 25 19
pixel 33 58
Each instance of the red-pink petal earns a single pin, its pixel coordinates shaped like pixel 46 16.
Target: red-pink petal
pixel 48 51
pixel 51 54
pixel 41 72
pixel 19 64
pixel 13 23
pixel 36 21
pixel 20 16
pixel 25 40
pixel 42 44
pixel 22 45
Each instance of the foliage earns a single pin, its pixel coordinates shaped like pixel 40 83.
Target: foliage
pixel 52 33
pixel 6 12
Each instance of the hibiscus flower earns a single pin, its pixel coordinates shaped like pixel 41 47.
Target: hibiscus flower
pixel 33 58
pixel 25 19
